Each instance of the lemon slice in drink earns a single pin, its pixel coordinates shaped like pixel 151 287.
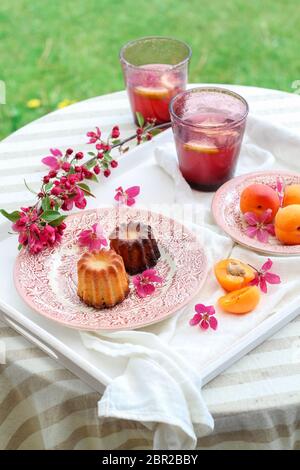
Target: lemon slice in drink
pixel 201 147
pixel 152 92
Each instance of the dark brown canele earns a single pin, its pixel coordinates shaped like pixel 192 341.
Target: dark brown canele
pixel 137 246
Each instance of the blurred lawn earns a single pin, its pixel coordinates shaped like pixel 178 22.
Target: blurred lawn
pixel 68 49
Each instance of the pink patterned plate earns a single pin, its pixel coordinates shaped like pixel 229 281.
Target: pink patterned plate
pixel 226 210
pixel 48 281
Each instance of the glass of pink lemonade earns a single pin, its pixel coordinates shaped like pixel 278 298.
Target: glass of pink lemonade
pixel 208 125
pixel 155 70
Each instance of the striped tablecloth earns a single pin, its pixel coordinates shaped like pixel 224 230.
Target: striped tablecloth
pixel 255 403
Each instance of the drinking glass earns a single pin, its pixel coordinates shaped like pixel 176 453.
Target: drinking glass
pixel 208 125
pixel 155 69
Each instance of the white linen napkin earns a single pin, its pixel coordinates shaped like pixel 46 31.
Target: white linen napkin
pixel 154 373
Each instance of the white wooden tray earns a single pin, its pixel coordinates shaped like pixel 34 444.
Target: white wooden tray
pixel 64 344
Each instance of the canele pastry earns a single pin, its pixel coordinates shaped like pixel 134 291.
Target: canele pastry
pixel 137 246
pixel 102 279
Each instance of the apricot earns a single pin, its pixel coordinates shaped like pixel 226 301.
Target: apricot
pixel 258 198
pixel 287 225
pixel 232 274
pixel 291 195
pixel 240 301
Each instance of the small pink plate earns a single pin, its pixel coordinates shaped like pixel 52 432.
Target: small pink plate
pixel 227 214
pixel 48 281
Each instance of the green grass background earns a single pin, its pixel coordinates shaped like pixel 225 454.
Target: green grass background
pixel 57 49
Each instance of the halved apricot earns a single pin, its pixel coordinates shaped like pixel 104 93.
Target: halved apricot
pixel 232 274
pixel 240 301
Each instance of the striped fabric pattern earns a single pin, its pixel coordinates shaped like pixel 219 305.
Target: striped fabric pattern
pixel 255 403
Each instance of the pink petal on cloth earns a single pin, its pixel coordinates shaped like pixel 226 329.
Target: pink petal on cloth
pixel 267 265
pixel 196 319
pixel 251 231
pixel 120 198
pixel 204 325
pixel 213 323
pixel 56 152
pixel 255 281
pixel 251 218
pixel 272 278
pixel 133 191
pixel 51 162
pixel 130 201
pixel 262 235
pixel 200 308
pixel 210 310
pixel 263 285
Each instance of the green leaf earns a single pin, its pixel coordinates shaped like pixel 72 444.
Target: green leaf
pixel 58 221
pixel 140 119
pixel 94 178
pixel 116 141
pixel 48 186
pixel 50 216
pixel 92 154
pixel 20 247
pixel 155 132
pixel 72 171
pixel 90 163
pixel 46 204
pixel 86 189
pixel 13 216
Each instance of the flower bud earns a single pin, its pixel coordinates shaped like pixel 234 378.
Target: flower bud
pixel 66 166
pixel 79 155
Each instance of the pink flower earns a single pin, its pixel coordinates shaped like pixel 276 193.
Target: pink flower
pixel 115 133
pixel 127 196
pixel 93 238
pixel 94 136
pixel 280 190
pixel 258 226
pixel 53 161
pixel 204 317
pixel 144 283
pixel 35 234
pixel 263 276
